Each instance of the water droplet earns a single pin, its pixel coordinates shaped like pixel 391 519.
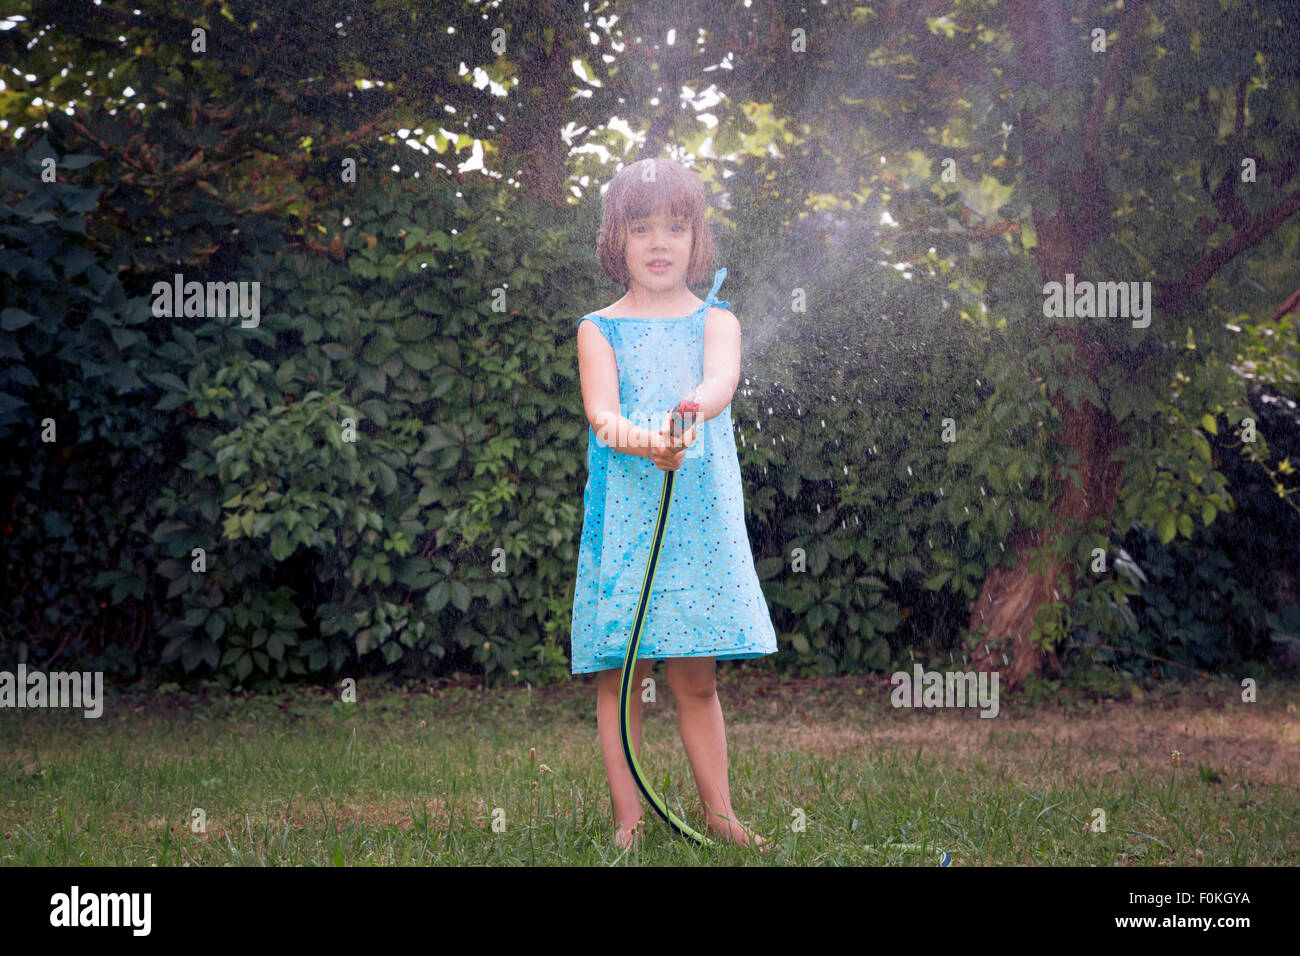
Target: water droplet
pixel 909 469
pixel 982 490
pixel 823 423
pixel 965 509
pixel 819 509
pixel 846 469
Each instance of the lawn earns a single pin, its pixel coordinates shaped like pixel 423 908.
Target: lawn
pixel 416 776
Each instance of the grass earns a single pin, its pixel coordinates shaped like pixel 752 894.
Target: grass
pixel 414 776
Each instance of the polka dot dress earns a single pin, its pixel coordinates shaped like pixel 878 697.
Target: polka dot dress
pixel 706 600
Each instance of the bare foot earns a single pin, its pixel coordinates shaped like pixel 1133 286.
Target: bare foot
pixel 742 835
pixel 624 835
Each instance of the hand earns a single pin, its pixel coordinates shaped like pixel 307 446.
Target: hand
pixel 668 452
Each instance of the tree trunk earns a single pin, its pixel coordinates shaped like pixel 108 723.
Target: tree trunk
pixel 531 136
pixel 1010 598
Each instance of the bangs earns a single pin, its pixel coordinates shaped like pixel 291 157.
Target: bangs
pixel 646 199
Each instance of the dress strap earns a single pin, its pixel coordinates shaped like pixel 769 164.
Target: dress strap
pixel 713 293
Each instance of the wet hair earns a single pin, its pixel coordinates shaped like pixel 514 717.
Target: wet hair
pixel 638 191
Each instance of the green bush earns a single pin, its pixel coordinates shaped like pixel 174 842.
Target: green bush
pixel 78 378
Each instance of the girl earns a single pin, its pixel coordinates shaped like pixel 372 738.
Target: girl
pixel 637 359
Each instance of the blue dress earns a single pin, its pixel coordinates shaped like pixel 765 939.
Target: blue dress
pixel 706 600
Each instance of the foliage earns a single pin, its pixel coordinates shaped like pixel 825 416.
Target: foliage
pixel 77 384
pixel 386 471
pixel 1183 596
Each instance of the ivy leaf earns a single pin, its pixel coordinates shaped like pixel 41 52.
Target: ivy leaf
pixel 437 597
pixel 14 319
pixel 1168 527
pixel 78 161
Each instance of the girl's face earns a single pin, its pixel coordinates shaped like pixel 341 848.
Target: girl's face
pixel 658 240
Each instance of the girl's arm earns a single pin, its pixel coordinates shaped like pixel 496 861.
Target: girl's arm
pixel 721 363
pixel 598 373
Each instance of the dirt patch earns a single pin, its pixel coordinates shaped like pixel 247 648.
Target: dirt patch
pixel 1259 747
pixel 396 813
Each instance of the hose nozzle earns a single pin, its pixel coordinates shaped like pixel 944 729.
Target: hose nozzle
pixel 683 417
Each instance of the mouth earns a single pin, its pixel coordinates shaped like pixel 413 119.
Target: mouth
pixel 658 265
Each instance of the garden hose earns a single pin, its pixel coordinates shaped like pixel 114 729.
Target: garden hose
pixel 682 419
pixel 629 663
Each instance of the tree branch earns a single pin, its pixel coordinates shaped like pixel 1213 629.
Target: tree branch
pixel 1128 30
pixel 1173 295
pixel 1292 304
pixel 1090 186
pixel 1288 306
pixel 1240 125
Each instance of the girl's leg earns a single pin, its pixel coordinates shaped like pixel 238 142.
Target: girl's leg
pixel 623 792
pixel 704 735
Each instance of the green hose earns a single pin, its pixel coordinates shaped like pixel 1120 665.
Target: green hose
pixel 629 664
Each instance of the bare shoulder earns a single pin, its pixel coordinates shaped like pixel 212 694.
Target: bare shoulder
pixel 610 311
pixel 590 335
pixel 722 318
